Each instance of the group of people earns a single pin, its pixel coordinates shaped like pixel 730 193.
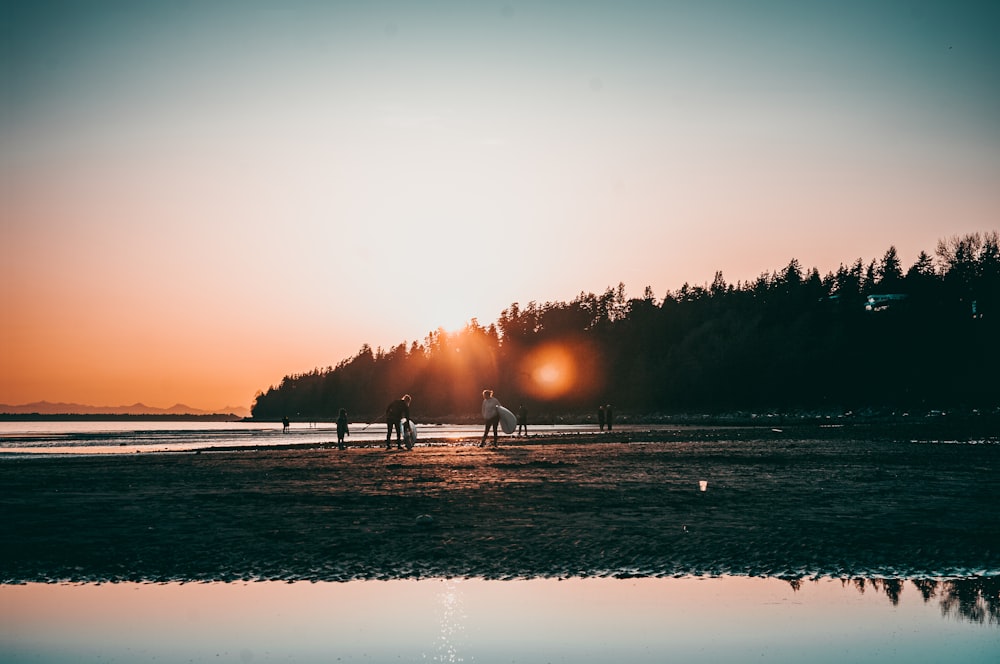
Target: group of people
pixel 491 416
pixel 395 414
pixel 397 418
pixel 605 416
pixel 399 410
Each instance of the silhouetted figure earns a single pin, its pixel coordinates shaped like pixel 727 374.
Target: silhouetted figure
pixel 342 429
pixel 522 420
pixel 285 424
pixel 609 414
pixel 600 417
pixel 395 412
pixel 491 415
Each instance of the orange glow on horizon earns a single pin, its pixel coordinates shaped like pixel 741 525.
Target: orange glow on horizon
pixel 140 351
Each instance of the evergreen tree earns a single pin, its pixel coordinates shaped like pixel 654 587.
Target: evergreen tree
pixel 789 339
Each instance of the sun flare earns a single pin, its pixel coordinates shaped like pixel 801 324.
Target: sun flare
pixel 548 374
pixel 550 371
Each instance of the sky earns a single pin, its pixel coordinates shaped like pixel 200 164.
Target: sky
pixel 199 198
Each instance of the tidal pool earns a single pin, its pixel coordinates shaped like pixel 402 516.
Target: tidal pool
pixel 688 619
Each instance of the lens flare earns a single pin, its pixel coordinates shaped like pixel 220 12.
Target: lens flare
pixel 552 373
pixel 558 370
pixel 548 374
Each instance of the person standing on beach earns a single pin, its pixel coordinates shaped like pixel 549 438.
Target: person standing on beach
pixel 284 424
pixel 491 414
pixel 342 429
pixel 394 414
pixel 522 420
pixel 609 414
pixel 600 416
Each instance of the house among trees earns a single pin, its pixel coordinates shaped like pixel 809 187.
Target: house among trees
pixel 884 301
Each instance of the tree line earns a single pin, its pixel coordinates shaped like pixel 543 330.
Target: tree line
pixel 866 335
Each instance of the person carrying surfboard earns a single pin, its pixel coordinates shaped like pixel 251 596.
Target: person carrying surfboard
pixel 491 414
pixel 394 414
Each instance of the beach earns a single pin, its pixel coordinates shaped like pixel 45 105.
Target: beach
pixel 887 501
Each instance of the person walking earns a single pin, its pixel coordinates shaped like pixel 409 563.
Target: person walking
pixel 609 415
pixel 600 416
pixel 522 420
pixel 342 429
pixel 491 415
pixel 395 412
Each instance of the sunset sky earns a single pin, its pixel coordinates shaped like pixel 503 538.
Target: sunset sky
pixel 198 198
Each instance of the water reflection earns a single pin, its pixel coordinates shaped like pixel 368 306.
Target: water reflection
pixel 690 619
pixel 452 622
pixel 974 599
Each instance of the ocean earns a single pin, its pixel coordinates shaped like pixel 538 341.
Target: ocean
pixel 135 436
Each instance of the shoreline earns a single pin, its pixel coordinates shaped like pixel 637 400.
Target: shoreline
pixel 869 414
pixel 938 430
pixel 676 433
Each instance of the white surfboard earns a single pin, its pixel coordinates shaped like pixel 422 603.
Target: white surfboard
pixel 508 420
pixel 409 434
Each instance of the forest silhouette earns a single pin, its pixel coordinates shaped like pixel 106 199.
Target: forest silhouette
pixel 865 336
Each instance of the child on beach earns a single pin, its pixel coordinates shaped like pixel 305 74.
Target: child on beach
pixel 522 421
pixel 342 429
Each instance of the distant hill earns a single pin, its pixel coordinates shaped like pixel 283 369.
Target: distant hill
pixel 47 408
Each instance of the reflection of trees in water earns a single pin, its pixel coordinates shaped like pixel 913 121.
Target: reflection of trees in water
pixel 892 588
pixel 977 600
pixel 974 599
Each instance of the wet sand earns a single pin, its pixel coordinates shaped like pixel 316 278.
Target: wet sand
pixel 803 501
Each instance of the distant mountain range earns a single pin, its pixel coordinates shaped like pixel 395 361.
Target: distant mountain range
pixel 46 408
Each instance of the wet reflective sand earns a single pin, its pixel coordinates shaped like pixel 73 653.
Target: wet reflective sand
pixel 772 505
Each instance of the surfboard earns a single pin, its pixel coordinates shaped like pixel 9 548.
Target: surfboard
pixel 409 434
pixel 508 420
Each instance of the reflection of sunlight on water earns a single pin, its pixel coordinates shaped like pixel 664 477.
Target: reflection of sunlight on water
pixel 452 622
